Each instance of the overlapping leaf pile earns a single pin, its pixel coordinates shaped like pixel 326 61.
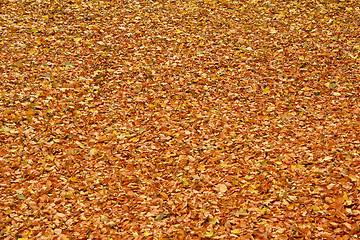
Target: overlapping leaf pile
pixel 179 119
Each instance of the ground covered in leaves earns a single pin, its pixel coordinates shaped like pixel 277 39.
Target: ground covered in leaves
pixel 186 119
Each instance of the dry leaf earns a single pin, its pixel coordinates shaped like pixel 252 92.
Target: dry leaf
pixel 222 187
pixel 184 119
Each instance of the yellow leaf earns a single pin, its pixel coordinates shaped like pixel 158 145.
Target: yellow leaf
pixel 121 136
pixel 353 178
pixel 147 234
pixel 272 30
pixel 69 196
pixel 21 197
pixel 213 221
pixel 104 218
pixel 263 211
pixel 253 191
pixel 266 91
pixel 141 130
pixel 209 234
pixel 80 144
pixel 49 157
pixel 237 231
pixel 77 40
pixel 186 183
pixel 93 152
pixel 29 112
pixel 73 179
pixel 201 168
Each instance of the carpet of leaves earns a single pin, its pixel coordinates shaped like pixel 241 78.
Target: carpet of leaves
pixel 191 119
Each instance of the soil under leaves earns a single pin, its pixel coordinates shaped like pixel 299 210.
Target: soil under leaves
pixel 191 119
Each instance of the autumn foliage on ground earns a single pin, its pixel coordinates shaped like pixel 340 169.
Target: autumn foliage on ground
pixel 192 119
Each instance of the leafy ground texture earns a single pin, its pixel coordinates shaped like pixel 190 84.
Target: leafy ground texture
pixel 193 119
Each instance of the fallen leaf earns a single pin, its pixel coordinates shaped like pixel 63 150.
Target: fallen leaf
pixel 266 90
pixel 222 187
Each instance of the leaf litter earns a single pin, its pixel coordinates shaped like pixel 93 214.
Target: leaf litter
pixel 179 119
